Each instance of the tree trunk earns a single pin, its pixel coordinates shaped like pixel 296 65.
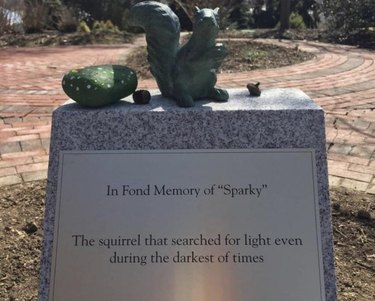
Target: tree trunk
pixel 284 15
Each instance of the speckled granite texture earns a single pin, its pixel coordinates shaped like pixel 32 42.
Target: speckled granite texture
pixel 280 118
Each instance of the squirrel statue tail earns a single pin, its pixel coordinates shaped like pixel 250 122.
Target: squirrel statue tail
pixel 162 29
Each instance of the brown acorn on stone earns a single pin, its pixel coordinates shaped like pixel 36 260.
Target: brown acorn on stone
pixel 141 97
pixel 254 89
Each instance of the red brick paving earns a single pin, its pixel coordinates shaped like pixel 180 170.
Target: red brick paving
pixel 341 79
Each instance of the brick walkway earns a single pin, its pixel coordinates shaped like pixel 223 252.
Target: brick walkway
pixel 341 80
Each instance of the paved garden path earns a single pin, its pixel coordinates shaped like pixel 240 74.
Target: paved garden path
pixel 341 79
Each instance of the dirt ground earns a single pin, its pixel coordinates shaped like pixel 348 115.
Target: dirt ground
pixel 54 38
pixel 21 224
pixel 243 56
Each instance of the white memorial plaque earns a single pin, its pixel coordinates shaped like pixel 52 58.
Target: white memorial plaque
pixel 192 225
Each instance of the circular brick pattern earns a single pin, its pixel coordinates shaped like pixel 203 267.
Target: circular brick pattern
pixel 341 79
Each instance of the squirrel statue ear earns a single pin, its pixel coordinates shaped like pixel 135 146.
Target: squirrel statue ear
pixel 216 10
pixel 196 9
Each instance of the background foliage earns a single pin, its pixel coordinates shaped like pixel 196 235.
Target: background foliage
pixel 345 20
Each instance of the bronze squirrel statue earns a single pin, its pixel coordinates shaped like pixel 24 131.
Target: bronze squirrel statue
pixel 185 73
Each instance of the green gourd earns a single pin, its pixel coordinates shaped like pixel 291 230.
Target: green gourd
pixel 97 86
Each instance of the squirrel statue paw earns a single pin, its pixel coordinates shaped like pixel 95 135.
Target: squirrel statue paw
pixel 219 95
pixel 185 101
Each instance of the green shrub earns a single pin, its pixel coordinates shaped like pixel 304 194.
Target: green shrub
pixel 348 16
pixel 241 15
pixel 97 26
pixel 83 27
pixel 110 27
pixel 104 26
pixel 296 21
pixel 350 21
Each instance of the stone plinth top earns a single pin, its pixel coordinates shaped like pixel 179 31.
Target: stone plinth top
pixel 239 99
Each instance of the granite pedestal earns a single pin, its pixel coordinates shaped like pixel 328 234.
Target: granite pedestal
pixel 280 118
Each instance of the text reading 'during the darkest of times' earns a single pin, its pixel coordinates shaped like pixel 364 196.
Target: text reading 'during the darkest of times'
pixel 220 248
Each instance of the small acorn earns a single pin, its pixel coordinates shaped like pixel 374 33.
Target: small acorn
pixel 254 89
pixel 142 97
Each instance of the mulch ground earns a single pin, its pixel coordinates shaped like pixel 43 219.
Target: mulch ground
pixel 55 38
pixel 21 224
pixel 243 56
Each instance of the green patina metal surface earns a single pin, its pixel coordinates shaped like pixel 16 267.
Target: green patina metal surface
pixel 186 73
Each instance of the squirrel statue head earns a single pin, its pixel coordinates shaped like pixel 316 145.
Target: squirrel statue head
pixel 206 21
